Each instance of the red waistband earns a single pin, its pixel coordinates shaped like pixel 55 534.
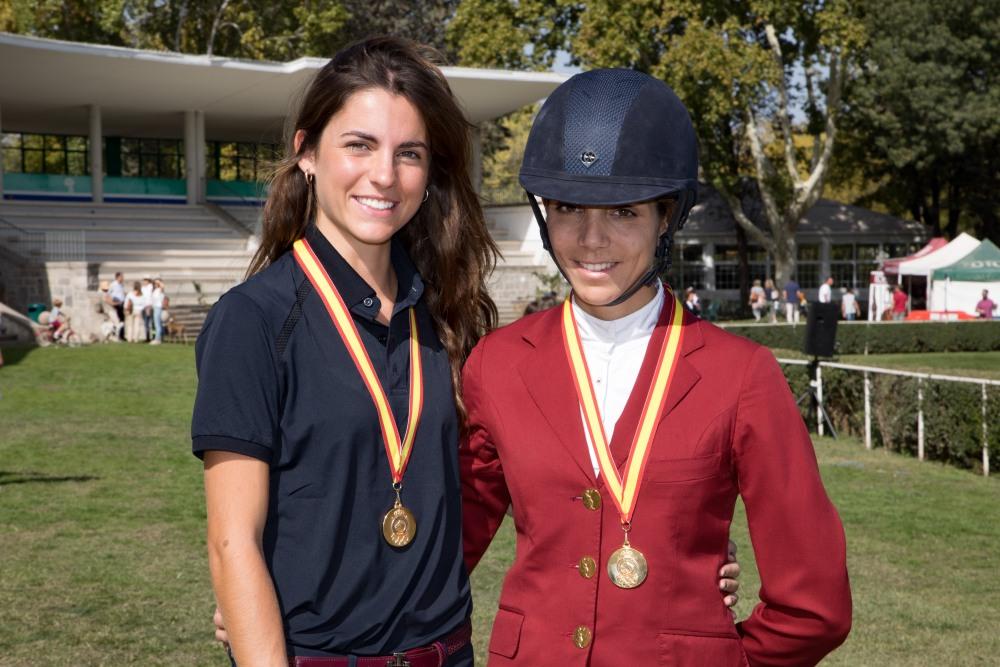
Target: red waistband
pixel 433 655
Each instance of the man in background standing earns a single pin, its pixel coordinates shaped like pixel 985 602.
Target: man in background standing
pixel 791 301
pixel 826 291
pixel 116 294
pixel 147 310
pixel 849 305
pixel 985 307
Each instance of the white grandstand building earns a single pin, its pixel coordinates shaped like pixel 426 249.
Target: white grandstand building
pixel 176 188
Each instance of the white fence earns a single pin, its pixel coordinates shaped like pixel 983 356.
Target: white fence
pixel 921 379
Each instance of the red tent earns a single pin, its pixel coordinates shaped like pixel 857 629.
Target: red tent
pixel 891 266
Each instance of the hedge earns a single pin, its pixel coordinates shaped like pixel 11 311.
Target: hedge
pixel 884 337
pixel 952 413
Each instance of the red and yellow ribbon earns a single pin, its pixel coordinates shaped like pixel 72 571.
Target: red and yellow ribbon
pixel 624 489
pixel 397 450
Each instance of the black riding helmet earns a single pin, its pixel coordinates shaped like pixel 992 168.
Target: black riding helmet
pixel 608 137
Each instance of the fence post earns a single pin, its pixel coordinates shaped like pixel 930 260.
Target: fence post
pixel 819 400
pixel 986 449
pixel 920 418
pixel 868 410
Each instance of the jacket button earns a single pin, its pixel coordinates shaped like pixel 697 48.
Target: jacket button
pixel 592 499
pixel 369 302
pixel 582 637
pixel 587 567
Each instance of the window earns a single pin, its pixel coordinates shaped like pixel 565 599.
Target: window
pixel 152 158
pixel 807 271
pixel 240 161
pixel 45 154
pixel 727 267
pixel 687 268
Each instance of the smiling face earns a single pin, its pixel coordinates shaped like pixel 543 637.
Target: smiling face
pixel 604 250
pixel 371 166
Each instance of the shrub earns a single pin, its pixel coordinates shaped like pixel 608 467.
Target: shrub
pixel 884 337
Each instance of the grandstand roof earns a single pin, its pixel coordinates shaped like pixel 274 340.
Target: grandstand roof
pixel 46 84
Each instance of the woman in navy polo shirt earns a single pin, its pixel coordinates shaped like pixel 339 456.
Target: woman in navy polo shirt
pixel 327 412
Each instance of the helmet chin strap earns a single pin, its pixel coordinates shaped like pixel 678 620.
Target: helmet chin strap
pixel 661 261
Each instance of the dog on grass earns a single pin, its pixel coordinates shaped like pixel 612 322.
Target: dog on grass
pixel 176 331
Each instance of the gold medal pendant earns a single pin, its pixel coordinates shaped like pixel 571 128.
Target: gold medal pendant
pixel 627 567
pixel 399 526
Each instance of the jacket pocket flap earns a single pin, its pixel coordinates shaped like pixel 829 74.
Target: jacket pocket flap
pixel 682 649
pixel 683 470
pixel 506 633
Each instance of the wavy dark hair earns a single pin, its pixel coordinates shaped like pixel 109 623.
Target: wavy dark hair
pixel 447 237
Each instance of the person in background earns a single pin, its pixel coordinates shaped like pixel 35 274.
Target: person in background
pixel 691 301
pixel 803 303
pixel 826 291
pixel 792 301
pixel 134 304
pixel 986 306
pixel 56 319
pixel 109 309
pixel 147 311
pixel 116 294
pixel 158 300
pixel 758 300
pixel 849 305
pixel 774 299
pixel 899 300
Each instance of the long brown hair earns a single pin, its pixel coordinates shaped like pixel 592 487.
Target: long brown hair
pixel 447 237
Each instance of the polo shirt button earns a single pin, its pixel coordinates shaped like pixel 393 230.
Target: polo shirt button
pixel 592 499
pixel 368 302
pixel 582 636
pixel 587 567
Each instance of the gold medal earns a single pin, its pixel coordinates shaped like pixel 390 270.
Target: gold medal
pixel 627 567
pixel 399 526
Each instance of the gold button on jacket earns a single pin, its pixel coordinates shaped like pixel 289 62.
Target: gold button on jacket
pixel 592 499
pixel 587 567
pixel 582 637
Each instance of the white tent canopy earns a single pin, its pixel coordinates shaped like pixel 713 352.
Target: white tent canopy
pixel 961 246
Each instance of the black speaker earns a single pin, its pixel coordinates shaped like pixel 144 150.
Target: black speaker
pixel 821 330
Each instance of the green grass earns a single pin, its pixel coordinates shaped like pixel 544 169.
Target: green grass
pixel 102 557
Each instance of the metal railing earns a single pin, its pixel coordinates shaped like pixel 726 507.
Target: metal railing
pixel 921 378
pixel 48 246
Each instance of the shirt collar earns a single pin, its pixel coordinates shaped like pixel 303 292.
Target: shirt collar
pixel 358 295
pixel 630 327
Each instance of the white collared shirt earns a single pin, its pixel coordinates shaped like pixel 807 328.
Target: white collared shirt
pixel 614 350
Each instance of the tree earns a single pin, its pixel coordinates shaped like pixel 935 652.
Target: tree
pixel 924 121
pixel 732 62
pixel 255 29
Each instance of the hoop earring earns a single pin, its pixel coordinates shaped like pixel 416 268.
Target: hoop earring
pixel 310 177
pixel 427 193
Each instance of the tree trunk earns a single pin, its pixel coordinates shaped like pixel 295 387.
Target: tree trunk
pixel 742 251
pixel 932 213
pixel 954 208
pixel 784 263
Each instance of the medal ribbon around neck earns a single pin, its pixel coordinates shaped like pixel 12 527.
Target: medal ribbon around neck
pixel 397 450
pixel 624 490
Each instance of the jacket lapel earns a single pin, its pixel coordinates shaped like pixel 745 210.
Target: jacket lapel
pixel 546 375
pixel 684 378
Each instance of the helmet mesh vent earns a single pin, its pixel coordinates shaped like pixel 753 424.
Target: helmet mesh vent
pixel 591 130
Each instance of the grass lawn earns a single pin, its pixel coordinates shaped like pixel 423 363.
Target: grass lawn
pixel 102 556
pixel 968 364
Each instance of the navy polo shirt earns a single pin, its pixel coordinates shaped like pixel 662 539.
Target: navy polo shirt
pixel 283 389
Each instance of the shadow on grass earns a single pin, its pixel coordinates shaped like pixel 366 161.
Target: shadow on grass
pixel 30 477
pixel 15 355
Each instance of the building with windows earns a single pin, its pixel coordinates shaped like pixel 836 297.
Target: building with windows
pixel 153 163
